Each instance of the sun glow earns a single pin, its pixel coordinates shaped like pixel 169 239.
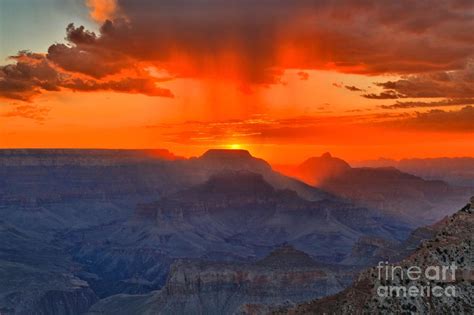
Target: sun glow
pixel 234 146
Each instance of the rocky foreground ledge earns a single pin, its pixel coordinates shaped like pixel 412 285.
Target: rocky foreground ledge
pixel 453 245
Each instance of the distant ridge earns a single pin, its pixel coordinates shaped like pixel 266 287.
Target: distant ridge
pixel 316 170
pixel 23 157
pixel 234 159
pixel 455 170
pixel 388 189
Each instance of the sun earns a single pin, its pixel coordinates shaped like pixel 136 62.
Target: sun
pixel 234 146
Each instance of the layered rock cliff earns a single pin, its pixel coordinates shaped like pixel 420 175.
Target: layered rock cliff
pixel 232 217
pixel 372 292
pixel 199 287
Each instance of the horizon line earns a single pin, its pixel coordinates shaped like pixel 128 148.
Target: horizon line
pixel 226 149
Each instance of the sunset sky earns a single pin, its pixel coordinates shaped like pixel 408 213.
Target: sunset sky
pixel 284 79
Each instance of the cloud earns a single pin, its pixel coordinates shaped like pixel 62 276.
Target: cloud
pixel 82 55
pixel 348 36
pixel 32 74
pixel 353 88
pixel 302 130
pixel 390 94
pixel 126 85
pixel 28 111
pixel 445 102
pixel 243 39
pixel 439 121
pixel 449 84
pixel 363 129
pixel 101 10
pixel 27 77
pixel 254 42
pixel 303 75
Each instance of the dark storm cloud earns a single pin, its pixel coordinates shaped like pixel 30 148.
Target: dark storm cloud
pixel 439 120
pixel 31 74
pixel 376 36
pixel 253 42
pixel 450 84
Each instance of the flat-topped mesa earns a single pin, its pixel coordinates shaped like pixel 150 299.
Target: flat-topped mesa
pixel 232 159
pixel 226 153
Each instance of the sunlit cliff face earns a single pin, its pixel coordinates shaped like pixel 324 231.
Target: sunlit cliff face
pixel 285 79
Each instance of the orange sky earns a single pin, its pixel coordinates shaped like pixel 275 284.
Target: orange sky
pixel 285 94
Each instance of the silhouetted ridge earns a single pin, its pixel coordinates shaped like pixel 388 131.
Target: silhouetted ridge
pixel 317 169
pixel 83 157
pixel 325 162
pixel 226 154
pixel 232 160
pixel 235 182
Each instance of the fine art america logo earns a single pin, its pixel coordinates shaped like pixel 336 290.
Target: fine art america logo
pixel 415 281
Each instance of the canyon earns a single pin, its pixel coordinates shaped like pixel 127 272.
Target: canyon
pixel 113 230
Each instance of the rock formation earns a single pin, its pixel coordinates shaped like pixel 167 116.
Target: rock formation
pixel 453 245
pixel 416 200
pixel 234 216
pixel 201 287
